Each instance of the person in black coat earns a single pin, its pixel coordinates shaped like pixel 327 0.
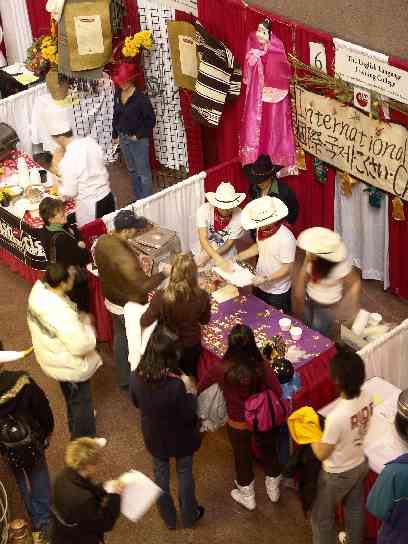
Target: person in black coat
pixel 168 407
pixel 82 510
pixel 262 176
pixel 22 398
pixel 62 244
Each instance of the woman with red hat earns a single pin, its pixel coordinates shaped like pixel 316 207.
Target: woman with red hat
pixel 133 122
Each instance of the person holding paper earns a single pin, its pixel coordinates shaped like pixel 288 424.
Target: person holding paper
pixel 168 405
pixel 219 226
pixel 276 249
pixel 82 510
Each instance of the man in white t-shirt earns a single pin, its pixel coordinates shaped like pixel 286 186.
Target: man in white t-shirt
pixel 219 226
pixel 276 248
pixel 344 466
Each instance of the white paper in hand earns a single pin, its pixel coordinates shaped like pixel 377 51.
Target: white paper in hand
pixel 240 276
pixel 139 494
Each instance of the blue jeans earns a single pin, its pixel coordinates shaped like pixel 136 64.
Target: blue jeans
pixel 136 154
pixel 121 351
pixel 35 489
pixel 80 412
pixel 186 486
pixel 319 317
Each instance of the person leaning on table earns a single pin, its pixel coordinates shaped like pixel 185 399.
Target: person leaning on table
pixel 388 499
pixel 326 282
pixel 80 163
pixel 275 247
pixel 122 281
pixel 341 450
pixel 219 226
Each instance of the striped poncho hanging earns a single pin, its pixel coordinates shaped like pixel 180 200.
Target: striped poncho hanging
pixel 219 78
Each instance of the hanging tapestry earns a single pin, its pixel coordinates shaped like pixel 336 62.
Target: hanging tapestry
pixel 93 111
pixel 169 135
pixel 218 81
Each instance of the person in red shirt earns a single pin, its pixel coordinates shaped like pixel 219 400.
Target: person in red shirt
pixel 241 373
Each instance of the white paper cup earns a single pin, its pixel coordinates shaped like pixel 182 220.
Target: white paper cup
pixel 296 333
pixel 285 324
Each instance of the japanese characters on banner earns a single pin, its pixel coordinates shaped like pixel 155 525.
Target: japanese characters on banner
pixel 367 149
pixel 370 70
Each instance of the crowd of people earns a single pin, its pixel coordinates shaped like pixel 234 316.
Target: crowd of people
pixel 165 385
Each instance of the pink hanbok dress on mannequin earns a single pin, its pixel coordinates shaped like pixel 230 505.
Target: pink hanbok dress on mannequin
pixel 266 125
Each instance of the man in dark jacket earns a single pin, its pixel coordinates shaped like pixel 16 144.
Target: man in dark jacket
pixel 262 176
pixel 122 280
pixel 21 398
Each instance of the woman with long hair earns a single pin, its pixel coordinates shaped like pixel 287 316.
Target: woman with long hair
pixel 327 285
pixel 183 307
pixel 168 405
pixel 241 373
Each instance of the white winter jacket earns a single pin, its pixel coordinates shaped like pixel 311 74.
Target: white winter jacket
pixel 63 345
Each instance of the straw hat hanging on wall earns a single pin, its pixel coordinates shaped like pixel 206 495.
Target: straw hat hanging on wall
pixel 183 53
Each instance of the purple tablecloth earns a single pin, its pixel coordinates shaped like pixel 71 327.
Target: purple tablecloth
pixel 264 321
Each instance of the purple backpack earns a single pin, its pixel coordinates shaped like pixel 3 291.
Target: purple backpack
pixel 265 411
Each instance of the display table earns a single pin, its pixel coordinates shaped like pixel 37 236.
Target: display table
pixel 16 111
pixel 381 444
pixel 20 245
pixel 310 355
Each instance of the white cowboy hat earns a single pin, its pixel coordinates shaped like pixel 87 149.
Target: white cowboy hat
pixel 55 7
pixel 57 119
pixel 263 211
pixel 225 197
pixel 324 243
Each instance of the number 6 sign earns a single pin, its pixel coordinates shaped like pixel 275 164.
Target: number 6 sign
pixel 317 55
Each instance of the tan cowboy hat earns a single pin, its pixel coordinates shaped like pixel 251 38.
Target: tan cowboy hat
pixel 225 197
pixel 263 211
pixel 324 243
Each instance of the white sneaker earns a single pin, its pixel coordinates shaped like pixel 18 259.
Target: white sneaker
pixel 343 537
pixel 245 495
pixel 272 487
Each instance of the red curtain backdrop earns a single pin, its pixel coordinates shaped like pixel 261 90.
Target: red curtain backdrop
pixel 226 21
pixel 398 230
pixel 227 171
pixel 39 17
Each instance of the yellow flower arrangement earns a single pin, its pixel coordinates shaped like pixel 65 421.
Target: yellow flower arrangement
pixel 133 44
pixel 49 49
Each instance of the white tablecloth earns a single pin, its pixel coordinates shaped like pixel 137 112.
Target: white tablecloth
pixel 16 111
pixel 387 357
pixel 382 443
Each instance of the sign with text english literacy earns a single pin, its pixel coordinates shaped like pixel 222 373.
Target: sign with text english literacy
pixel 371 73
pixel 367 149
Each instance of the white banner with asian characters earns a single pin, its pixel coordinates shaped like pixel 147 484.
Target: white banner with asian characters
pixel 370 70
pixel 367 149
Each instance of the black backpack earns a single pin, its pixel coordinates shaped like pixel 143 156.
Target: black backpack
pixel 20 443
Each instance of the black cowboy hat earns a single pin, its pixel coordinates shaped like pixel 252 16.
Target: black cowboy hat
pixel 261 170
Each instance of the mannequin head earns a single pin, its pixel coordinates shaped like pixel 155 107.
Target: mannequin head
pixel 263 32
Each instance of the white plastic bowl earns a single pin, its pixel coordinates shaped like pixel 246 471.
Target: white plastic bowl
pixel 285 324
pixel 296 333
